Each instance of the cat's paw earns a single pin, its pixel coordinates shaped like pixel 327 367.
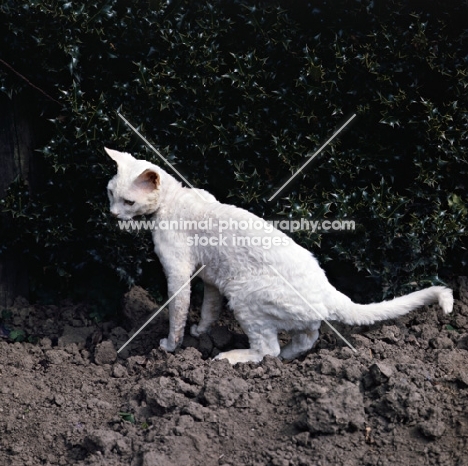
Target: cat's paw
pixel 239 355
pixel 194 331
pixel 166 345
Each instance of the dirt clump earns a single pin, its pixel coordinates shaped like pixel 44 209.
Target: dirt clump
pixel 69 396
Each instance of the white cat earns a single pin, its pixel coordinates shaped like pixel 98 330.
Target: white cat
pixel 269 289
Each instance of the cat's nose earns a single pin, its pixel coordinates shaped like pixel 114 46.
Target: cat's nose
pixel 114 214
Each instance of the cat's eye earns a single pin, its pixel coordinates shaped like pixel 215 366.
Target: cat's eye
pixel 129 203
pixel 111 194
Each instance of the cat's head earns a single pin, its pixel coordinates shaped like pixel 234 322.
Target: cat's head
pixel 135 189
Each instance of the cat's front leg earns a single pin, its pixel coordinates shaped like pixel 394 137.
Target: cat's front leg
pixel 211 307
pixel 178 310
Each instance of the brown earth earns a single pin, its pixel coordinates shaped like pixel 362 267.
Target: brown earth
pixel 401 399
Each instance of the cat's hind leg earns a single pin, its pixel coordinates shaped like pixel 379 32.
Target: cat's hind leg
pixel 301 342
pixel 211 307
pixel 263 341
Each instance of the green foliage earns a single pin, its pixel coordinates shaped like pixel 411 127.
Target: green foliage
pixel 127 417
pixel 17 335
pixel 237 94
pixel 13 334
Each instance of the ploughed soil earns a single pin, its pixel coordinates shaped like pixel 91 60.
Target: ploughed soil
pixel 69 398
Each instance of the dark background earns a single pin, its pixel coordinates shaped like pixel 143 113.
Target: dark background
pixel 236 94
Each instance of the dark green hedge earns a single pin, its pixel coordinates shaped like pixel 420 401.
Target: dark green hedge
pixel 237 94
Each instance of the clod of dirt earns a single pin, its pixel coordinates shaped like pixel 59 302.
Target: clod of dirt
pixel 432 429
pixel 163 393
pixel 225 392
pixel 105 353
pixel 154 458
pixel 56 356
pixel 119 371
pixel 59 400
pixel 102 440
pixel 454 364
pixel 462 342
pixel 330 365
pixel 400 403
pixel 335 410
pixel 138 306
pixel 380 372
pixel 442 342
pixel 77 335
pixel 197 411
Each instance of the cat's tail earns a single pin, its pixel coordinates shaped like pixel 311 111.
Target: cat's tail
pixel 361 314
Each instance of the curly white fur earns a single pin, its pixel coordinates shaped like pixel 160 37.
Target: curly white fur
pixel 258 296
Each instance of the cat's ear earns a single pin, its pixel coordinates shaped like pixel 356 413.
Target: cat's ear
pixel 120 158
pixel 148 181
